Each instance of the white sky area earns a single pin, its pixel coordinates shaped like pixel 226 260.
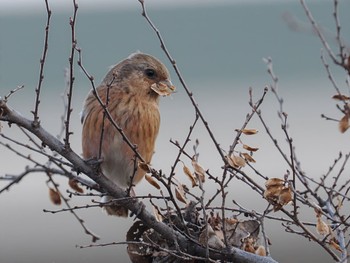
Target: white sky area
pixel 36 5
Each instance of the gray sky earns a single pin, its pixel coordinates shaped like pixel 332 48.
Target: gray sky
pixel 36 5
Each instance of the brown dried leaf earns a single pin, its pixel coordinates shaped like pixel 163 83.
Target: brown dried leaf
pixel 285 196
pixel 261 251
pixel 340 97
pixel 208 237
pixel 145 167
pixel 274 182
pixel 278 193
pixel 162 89
pixel 335 244
pixel 156 213
pixel 231 221
pixel 152 181
pixel 75 186
pixel 249 131
pixel 190 175
pixel 317 210
pixel 180 194
pixel 199 170
pixel 237 233
pixel 248 158
pixel 339 204
pixel 248 148
pixel 321 227
pixel 54 197
pixel 344 124
pixel 248 245
pixel 235 161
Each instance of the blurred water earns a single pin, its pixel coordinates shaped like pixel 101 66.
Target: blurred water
pixel 219 50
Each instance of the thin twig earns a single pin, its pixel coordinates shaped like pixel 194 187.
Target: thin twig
pixel 42 65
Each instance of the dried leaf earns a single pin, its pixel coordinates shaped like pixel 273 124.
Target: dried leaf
pixel 180 194
pixel 54 197
pixel 199 170
pixel 248 245
pixel 153 182
pixel 249 131
pixel 278 193
pixel 75 186
pixel 235 161
pixel 145 167
pixel 248 148
pixel 261 251
pixel 209 237
pixel 335 244
pixel 321 227
pixel 274 182
pixel 190 175
pixel 317 210
pixel 231 221
pixel 285 196
pixel 162 89
pixel 344 124
pixel 339 204
pixel 156 213
pixel 340 97
pixel 248 158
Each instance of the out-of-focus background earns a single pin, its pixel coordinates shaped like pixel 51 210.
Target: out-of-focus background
pixel 219 47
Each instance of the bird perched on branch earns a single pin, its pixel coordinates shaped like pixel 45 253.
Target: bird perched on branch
pixel 130 91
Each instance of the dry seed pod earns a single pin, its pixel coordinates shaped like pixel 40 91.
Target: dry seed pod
pixel 344 124
pixel 231 221
pixel 249 131
pixel 152 181
pixel 209 237
pixel 162 89
pixel 248 157
pixel 190 175
pixel 340 97
pixel 75 186
pixel 285 196
pixel 248 245
pixel 145 167
pixel 261 251
pixel 180 194
pixel 235 161
pixel 274 182
pixel 321 227
pixel 156 213
pixel 199 170
pixel 335 244
pixel 248 148
pixel 54 196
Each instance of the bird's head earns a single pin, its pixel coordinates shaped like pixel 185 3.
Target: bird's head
pixel 141 74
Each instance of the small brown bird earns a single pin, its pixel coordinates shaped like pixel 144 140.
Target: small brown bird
pixel 131 91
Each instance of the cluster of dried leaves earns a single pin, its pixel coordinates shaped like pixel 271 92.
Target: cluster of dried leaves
pixel 146 245
pixel 324 229
pixel 55 195
pixel 208 230
pixel 278 192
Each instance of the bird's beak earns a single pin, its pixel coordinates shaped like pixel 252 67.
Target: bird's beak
pixel 163 88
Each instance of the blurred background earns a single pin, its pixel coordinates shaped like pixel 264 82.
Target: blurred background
pixel 219 48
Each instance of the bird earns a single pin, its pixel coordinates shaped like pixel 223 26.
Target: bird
pixel 130 91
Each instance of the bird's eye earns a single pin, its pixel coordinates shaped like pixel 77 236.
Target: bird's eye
pixel 150 73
